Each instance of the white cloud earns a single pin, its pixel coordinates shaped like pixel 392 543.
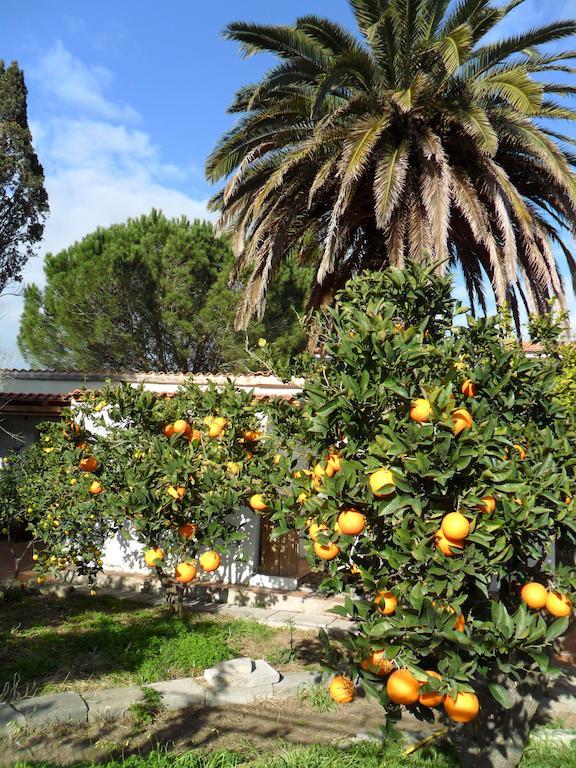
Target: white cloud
pixel 99 171
pixel 78 85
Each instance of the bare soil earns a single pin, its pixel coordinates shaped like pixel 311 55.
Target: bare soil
pixel 252 727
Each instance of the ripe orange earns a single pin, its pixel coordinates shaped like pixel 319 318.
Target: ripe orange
pixel 351 522
pixel 432 698
pixel 403 688
pixel 187 530
pixel 210 560
pixel 378 664
pixel 96 488
pixel 249 455
pixel 463 708
pixel 326 551
pixel 195 436
pixel 460 624
pixel 462 420
pixel 181 427
pixel 447 546
pixel 387 602
pixel 257 503
pixel 342 690
pixel 333 465
pixel 185 572
pixel 488 505
pixel 214 430
pixel 168 430
pixel 89 464
pixel 318 471
pixel 153 556
pixel 421 410
pixel 469 389
pixel 455 526
pixel 558 605
pixel 382 482
pixel 233 468
pixel 252 436
pixel 534 595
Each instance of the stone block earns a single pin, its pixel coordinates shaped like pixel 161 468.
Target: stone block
pixel 216 697
pixel 314 620
pixel 181 693
pixel 9 718
pixel 66 707
pixel 263 674
pixel 228 672
pixel 112 702
pixel 293 682
pixel 339 626
pixel 281 618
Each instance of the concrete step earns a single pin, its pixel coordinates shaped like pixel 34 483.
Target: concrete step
pixel 300 601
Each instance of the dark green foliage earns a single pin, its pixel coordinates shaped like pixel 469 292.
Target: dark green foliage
pixel 23 199
pixel 151 294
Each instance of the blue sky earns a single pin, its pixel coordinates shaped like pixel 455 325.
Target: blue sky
pixel 126 99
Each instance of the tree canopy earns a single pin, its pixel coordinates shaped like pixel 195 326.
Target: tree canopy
pixel 150 294
pixel 418 139
pixel 23 199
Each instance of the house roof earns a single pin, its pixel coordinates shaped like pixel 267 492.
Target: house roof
pixel 48 392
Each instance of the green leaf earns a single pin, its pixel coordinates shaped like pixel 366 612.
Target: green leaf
pixel 500 694
pixel 557 628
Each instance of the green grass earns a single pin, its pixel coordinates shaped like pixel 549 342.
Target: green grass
pixel 49 644
pixel 361 756
pixel 318 697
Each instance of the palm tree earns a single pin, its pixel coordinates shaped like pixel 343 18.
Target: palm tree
pixel 417 141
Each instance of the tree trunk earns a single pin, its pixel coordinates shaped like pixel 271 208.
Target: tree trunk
pixel 498 736
pixel 174 593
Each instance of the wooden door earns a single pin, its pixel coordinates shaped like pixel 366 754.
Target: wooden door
pixel 278 557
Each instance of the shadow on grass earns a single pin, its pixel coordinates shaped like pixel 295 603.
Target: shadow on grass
pixel 47 641
pixel 75 639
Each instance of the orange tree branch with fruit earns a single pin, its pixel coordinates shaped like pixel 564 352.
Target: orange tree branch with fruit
pixel 53 488
pixel 441 472
pixel 170 472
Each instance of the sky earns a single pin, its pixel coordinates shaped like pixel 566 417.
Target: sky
pixel 127 99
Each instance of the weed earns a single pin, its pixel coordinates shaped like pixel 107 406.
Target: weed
pixel 317 697
pixel 146 711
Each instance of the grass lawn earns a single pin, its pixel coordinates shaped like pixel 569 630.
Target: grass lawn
pixel 362 756
pixel 49 644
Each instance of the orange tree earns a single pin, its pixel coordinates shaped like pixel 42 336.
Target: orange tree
pixel 43 489
pixel 171 473
pixel 440 476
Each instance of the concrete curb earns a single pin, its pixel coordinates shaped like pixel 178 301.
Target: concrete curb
pixel 261 682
